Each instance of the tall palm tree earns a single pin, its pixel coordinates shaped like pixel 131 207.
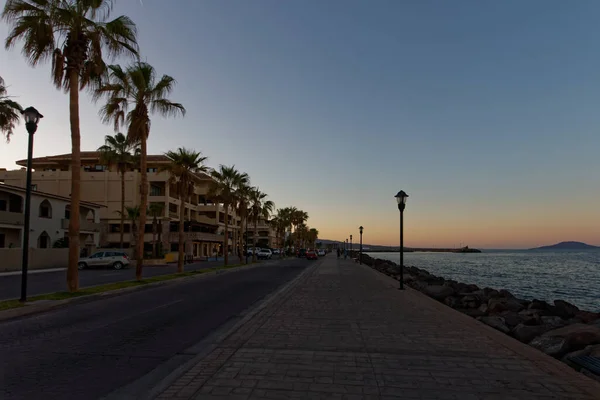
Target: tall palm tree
pixel 242 197
pixel 184 166
pixel 117 151
pixel 298 218
pixel 313 235
pixel 137 88
pixel 76 35
pixel 133 215
pixel 10 112
pixel 226 180
pixel 155 210
pixel 259 208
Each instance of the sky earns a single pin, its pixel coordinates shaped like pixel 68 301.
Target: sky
pixel 484 112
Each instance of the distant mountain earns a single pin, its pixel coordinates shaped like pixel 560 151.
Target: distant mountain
pixel 567 246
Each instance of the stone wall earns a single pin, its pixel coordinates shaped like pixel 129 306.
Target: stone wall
pixel 38 259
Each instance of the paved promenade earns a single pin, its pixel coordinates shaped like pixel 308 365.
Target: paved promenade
pixel 344 331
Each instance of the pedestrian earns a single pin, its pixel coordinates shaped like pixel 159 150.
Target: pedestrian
pixel 338 253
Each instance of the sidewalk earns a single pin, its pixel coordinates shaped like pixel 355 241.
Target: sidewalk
pixel 344 331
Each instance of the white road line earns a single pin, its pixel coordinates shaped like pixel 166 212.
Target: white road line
pixel 33 271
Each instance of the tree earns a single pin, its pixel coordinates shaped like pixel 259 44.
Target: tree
pixel 155 210
pixel 184 166
pixel 132 95
pixel 298 217
pixel 226 180
pixel 10 112
pixel 117 151
pixel 75 35
pixel 242 197
pixel 133 215
pixel 259 208
pixel 313 235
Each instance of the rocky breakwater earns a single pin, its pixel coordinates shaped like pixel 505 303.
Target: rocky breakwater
pixel 560 330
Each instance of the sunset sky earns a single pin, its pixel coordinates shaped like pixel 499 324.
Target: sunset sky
pixel 487 113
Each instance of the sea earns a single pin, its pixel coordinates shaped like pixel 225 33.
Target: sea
pixel 570 275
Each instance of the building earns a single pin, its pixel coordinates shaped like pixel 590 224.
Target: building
pixel 204 219
pixel 49 219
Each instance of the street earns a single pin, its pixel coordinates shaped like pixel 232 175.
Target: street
pixel 50 282
pixel 86 351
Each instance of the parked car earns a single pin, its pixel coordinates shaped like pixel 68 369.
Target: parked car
pixel 264 254
pixel 321 253
pixel 301 253
pixel 103 259
pixel 276 252
pixel 312 255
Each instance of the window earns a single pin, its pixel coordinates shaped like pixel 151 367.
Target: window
pixel 44 241
pixel 151 169
pixel 97 255
pixel 2 240
pixel 45 209
pixel 114 228
pixel 2 205
pixel 100 167
pixel 156 191
pixel 67 212
pixel 34 187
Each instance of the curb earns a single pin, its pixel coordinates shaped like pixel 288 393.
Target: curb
pixel 48 305
pixel 156 381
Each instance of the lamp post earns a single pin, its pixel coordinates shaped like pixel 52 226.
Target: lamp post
pixel 351 249
pixel 346 249
pixel 360 229
pixel 32 117
pixel 401 199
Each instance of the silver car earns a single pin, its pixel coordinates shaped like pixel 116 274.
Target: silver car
pixel 103 259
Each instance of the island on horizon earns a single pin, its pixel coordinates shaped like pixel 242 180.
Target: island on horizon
pixel 567 246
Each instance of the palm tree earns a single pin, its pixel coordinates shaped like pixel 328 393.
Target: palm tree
pixel 242 197
pixel 133 214
pixel 184 166
pixel 259 208
pixel 155 210
pixel 313 235
pixel 75 35
pixel 10 112
pixel 138 88
pixel 298 217
pixel 226 180
pixel 117 150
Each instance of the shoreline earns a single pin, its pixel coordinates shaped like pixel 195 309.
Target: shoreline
pixel 561 329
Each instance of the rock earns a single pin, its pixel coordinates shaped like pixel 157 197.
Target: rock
pixel 511 318
pixel 530 317
pixel 526 333
pixel 471 301
pixel 506 293
pixel 538 305
pixel 577 335
pixel 439 292
pixel 591 350
pixel 483 309
pixel 473 313
pixel 452 301
pixel 565 310
pixel 553 322
pixel 551 345
pixel 489 292
pixel 498 304
pixel 496 323
pixel 587 317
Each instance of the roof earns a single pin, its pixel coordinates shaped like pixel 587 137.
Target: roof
pixel 52 196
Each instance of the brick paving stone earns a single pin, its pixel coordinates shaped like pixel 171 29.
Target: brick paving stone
pixel 344 331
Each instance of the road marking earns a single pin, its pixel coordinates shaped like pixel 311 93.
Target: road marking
pixel 34 271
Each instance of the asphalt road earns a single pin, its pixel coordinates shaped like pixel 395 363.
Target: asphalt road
pixel 85 351
pixel 50 282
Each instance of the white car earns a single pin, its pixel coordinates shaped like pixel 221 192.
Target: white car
pixel 264 254
pixel 321 253
pixel 103 259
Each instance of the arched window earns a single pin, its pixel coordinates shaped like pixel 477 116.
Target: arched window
pixel 43 241
pixel 45 209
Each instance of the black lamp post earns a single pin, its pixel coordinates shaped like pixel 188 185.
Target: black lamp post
pixel 346 248
pixel 351 249
pixel 401 199
pixel 32 117
pixel 360 229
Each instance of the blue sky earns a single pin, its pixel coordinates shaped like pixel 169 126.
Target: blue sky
pixel 485 112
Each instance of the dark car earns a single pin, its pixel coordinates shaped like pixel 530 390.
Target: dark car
pixel 312 255
pixel 301 253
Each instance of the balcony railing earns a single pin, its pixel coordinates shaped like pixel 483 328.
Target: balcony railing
pixel 11 218
pixel 84 225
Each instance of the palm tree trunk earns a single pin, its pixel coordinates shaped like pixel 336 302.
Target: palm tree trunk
pixel 143 206
pixel 254 239
pixel 241 237
pixel 181 233
pixel 226 237
pixel 72 272
pixel 122 206
pixel 154 228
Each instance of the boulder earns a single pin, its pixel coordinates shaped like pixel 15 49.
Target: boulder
pixel 496 323
pixel 439 292
pixel 470 301
pixel 577 335
pixel 452 301
pixel 511 318
pixel 551 345
pixel 483 308
pixel 564 309
pixel 531 317
pixel 506 293
pixel 538 305
pixel 587 317
pixel 526 333
pixel 553 322
pixel 473 313
pixel 498 304
pixel 591 350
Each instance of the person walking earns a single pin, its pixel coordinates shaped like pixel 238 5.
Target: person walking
pixel 338 252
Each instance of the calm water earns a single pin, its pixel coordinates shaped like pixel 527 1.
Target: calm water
pixel 573 276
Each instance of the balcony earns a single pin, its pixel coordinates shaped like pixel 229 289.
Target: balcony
pixel 173 215
pixel 197 237
pixel 11 218
pixel 203 219
pixel 84 225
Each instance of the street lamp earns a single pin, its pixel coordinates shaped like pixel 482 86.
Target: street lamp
pixel 32 117
pixel 360 229
pixel 351 249
pixel 401 198
pixel 346 249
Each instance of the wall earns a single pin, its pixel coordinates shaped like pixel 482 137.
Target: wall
pixel 38 259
